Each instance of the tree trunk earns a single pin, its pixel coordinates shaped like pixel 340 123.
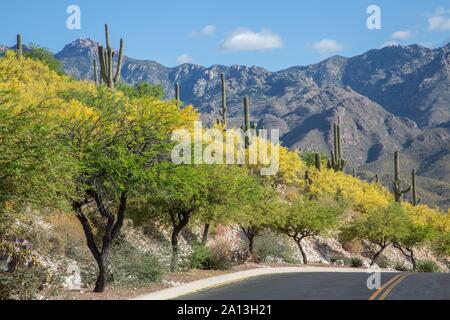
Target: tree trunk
pixel 100 284
pixel 175 250
pixel 413 260
pixel 205 234
pixel 179 222
pixel 375 257
pixel 112 230
pixel 302 251
pixel 251 244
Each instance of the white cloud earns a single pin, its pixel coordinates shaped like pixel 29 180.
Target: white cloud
pixel 248 40
pixel 402 35
pixel 206 31
pixel 184 58
pixel 327 46
pixel 440 21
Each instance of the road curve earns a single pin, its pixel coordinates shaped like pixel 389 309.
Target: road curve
pixel 331 286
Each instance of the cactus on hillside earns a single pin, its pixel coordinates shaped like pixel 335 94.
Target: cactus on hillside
pixel 223 112
pixel 247 122
pixel 398 190
pixel 318 161
pixel 415 199
pixel 337 162
pixel 106 56
pixel 177 92
pixel 354 173
pixel 19 46
pixel 94 62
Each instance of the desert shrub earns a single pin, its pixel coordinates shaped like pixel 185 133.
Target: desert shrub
pixel 131 266
pixel 270 247
pixel 335 258
pixel 205 258
pixel 401 266
pixel 356 262
pixel 383 262
pixel 28 283
pixel 427 266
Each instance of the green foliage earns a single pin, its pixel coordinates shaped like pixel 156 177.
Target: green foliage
pixel 356 262
pixel 141 90
pixel 205 258
pixel 309 158
pixel 306 217
pixel 45 56
pixel 27 283
pixel 401 266
pixel 380 226
pixel 130 266
pixel 442 245
pixel 270 247
pixel 428 266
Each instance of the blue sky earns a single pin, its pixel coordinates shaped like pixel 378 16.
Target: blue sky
pixel 271 34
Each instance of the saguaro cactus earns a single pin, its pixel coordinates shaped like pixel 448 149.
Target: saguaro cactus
pixel 354 173
pixel 19 46
pixel 337 162
pixel 177 92
pixel 318 161
pixel 415 199
pixel 223 112
pixel 94 64
pixel 247 121
pixel 398 191
pixel 106 56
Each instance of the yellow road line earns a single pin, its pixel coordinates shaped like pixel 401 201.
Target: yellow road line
pixel 376 293
pixel 388 290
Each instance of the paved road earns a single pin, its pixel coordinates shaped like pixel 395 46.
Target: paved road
pixel 327 286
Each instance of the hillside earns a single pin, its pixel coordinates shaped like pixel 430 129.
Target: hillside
pixel 395 98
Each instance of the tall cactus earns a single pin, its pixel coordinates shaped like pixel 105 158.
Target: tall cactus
pixel 318 161
pixel 94 62
pixel 398 183
pixel 177 93
pixel 223 113
pixel 354 173
pixel 19 46
pixel 106 56
pixel 247 121
pixel 415 199
pixel 337 162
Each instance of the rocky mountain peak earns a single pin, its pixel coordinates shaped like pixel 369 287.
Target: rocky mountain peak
pixel 79 47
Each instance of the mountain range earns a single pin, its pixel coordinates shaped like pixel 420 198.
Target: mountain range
pixel 394 98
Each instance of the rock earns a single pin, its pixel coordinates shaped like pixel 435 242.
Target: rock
pixel 73 281
pixel 339 263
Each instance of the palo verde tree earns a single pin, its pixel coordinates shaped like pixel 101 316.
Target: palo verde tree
pixel 184 192
pixel 303 218
pixel 380 226
pixel 116 141
pixel 412 236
